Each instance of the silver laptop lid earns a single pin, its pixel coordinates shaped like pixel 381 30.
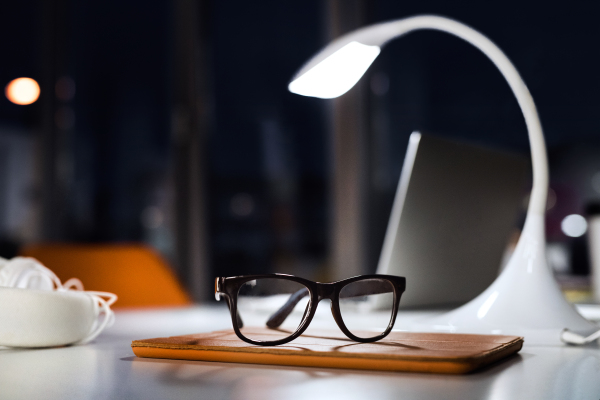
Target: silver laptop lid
pixel 454 209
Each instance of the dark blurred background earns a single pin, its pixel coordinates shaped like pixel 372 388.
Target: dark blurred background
pixel 170 123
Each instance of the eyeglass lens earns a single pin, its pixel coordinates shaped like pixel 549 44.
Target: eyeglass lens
pixel 279 304
pixel 366 306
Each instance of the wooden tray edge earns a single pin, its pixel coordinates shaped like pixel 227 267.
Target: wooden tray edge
pixel 457 366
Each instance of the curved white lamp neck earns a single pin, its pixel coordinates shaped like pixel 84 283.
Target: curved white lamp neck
pixel 325 67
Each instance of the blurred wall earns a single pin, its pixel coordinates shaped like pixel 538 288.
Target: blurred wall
pixel 262 163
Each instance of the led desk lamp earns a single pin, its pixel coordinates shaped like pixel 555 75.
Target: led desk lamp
pixel 525 299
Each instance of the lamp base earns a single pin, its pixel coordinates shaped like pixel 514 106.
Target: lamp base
pixel 524 300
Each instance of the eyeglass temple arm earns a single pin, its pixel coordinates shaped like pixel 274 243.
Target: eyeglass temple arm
pixel 373 287
pixel 280 315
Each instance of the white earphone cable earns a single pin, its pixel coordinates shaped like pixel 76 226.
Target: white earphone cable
pixel 571 337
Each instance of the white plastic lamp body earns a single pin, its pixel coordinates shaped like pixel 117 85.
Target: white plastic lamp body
pixel 525 299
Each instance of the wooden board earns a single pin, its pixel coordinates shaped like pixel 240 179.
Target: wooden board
pixel 399 351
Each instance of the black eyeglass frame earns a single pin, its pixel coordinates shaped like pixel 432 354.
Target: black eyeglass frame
pixel 229 287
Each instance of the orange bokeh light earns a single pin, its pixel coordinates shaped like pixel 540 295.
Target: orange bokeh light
pixel 22 91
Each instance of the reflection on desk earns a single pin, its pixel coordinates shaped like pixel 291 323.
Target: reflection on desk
pixel 107 369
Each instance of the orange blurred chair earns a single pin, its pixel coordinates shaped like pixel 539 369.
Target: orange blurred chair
pixel 135 273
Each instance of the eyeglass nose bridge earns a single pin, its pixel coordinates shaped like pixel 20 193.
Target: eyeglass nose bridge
pixel 325 291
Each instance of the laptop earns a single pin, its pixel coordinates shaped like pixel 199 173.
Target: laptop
pixel 455 207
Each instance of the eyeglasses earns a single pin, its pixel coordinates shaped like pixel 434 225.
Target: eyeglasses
pixel 287 304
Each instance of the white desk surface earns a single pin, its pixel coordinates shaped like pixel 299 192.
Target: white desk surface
pixel 107 369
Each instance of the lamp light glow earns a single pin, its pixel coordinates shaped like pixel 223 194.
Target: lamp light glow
pixel 336 74
pixel 22 91
pixel 524 300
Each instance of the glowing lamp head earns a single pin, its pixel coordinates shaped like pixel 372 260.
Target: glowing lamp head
pixel 22 91
pixel 336 74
